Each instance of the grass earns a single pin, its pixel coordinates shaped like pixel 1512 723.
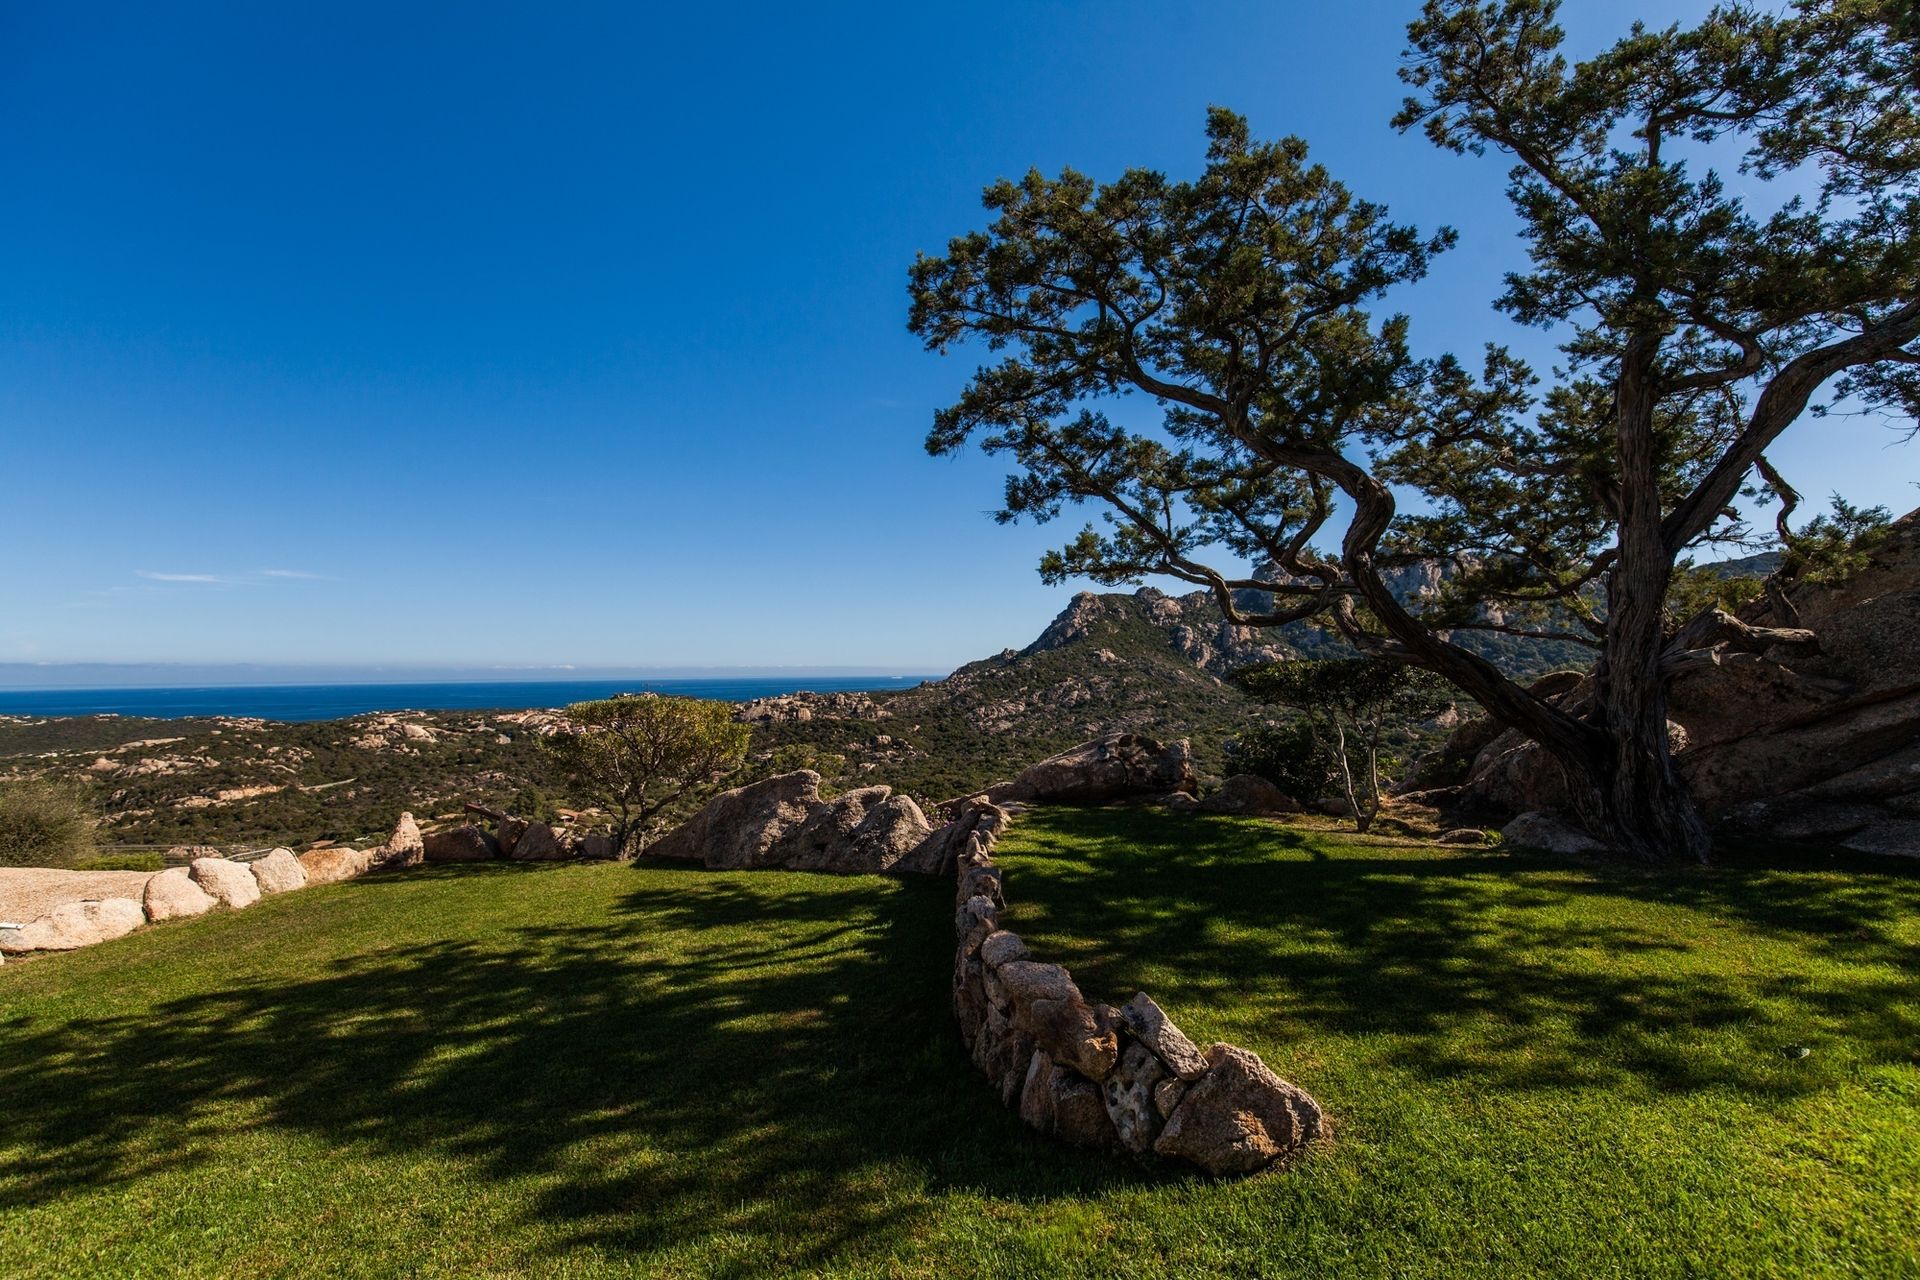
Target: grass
pixel 594 1070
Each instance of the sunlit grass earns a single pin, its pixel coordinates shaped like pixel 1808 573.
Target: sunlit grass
pixel 595 1070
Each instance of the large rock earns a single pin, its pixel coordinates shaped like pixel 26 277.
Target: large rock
pixel 782 822
pixel 744 827
pixel 172 895
pixel 75 924
pixel 539 844
pixel 278 872
pixel 1073 1032
pixel 1239 1117
pixel 1110 768
pixel 459 844
pixel 226 880
pixel 1550 834
pixel 329 866
pixel 1244 793
pixel 405 847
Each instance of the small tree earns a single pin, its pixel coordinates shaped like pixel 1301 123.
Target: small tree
pixel 1349 704
pixel 43 824
pixel 639 753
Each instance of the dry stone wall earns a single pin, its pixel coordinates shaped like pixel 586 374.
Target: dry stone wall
pixel 1124 1079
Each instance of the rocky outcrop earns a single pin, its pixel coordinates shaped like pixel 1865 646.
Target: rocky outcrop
pixel 405 847
pixel 75 924
pixel 1550 833
pixel 173 895
pixel 226 880
pixel 1118 766
pixel 794 708
pixel 1123 1079
pixel 1815 747
pixel 782 822
pixel 537 843
pixel 278 872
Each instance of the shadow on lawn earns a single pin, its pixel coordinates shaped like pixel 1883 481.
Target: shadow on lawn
pixel 1506 970
pixel 782 1070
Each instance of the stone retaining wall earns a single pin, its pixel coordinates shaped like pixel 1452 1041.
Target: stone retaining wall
pixel 1124 1079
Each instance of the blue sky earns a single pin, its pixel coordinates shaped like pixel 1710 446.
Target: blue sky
pixel 575 334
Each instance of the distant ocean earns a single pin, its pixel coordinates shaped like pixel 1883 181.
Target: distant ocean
pixel 332 701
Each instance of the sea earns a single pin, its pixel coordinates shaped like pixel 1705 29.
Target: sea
pixel 332 701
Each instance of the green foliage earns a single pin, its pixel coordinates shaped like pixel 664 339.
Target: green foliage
pixel 1288 755
pixel 44 824
pixel 1349 706
pixel 637 754
pixel 1833 548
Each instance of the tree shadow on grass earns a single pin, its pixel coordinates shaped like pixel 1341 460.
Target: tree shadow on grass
pixel 720 1056
pixel 1507 970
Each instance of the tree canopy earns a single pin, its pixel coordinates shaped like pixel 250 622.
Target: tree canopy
pixel 1233 309
pixel 639 753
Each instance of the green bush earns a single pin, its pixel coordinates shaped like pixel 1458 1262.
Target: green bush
pixel 43 825
pixel 1285 755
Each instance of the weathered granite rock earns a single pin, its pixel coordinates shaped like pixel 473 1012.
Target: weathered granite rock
pixel 405 847
pixel 1073 1032
pixel 278 872
pixel 744 827
pixel 172 895
pixel 1128 1091
pixel 466 843
pixel 597 847
pixel 226 880
pixel 1080 1116
pixel 1897 837
pixel 72 925
pixel 538 844
pixel 328 866
pixel 1148 1023
pixel 507 834
pixel 1002 1052
pixel 1239 1117
pixel 1002 948
pixel 865 830
pixel 1021 982
pixel 1245 793
pixel 1110 768
pixel 1467 835
pixel 1167 1095
pixel 1550 834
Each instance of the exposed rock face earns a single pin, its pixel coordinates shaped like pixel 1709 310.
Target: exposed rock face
pixel 278 872
pixel 459 844
pixel 800 707
pixel 1110 768
pixel 76 924
pixel 1150 1025
pixel 1239 1117
pixel 226 880
pixel 328 866
pixel 405 847
pixel 1823 747
pixel 172 895
pixel 1246 794
pixel 782 822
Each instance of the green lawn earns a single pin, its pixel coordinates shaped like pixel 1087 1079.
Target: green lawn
pixel 595 1070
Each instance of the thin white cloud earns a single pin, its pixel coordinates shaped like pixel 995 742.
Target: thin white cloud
pixel 299 574
pixel 179 577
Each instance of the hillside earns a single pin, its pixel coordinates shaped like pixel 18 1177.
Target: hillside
pixel 1144 661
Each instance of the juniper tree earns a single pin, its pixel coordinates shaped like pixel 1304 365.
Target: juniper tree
pixel 1236 305
pixel 639 753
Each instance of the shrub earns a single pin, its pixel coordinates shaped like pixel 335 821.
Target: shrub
pixel 43 825
pixel 1285 755
pixel 123 862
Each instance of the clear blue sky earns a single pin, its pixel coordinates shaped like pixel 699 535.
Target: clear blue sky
pixel 548 334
